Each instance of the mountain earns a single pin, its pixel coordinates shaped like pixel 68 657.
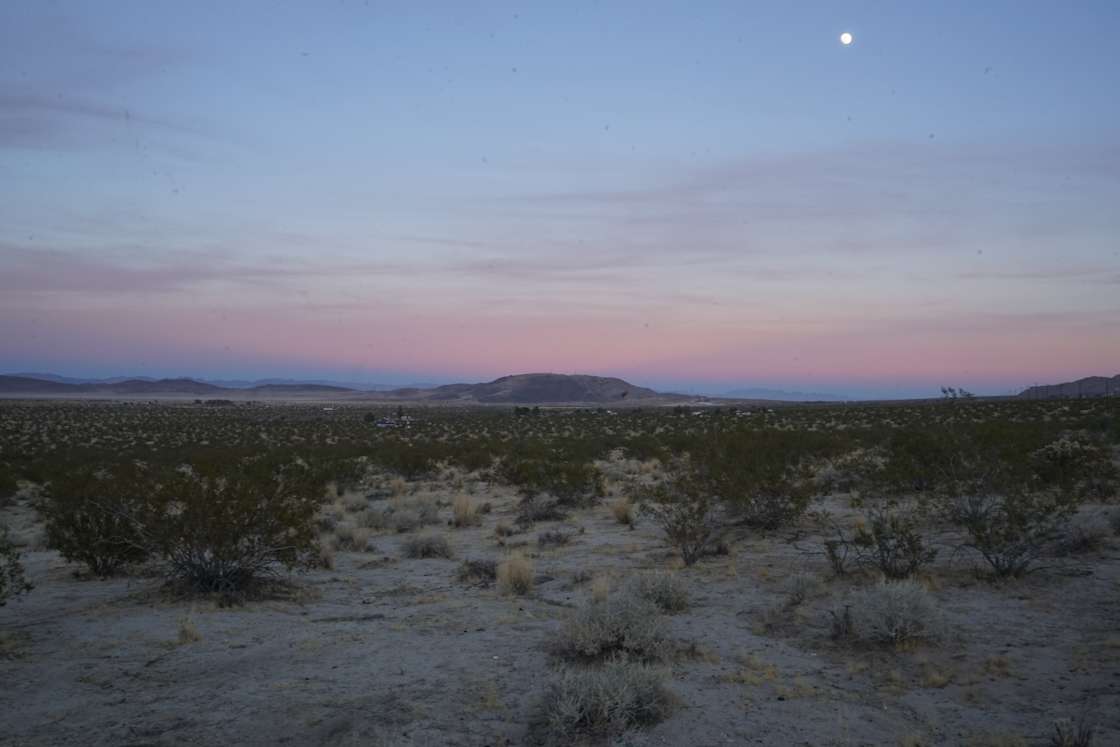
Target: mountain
pixel 522 389
pixel 1090 386
pixel 534 388
pixel 777 394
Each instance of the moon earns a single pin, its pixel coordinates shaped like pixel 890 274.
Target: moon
pixel 845 38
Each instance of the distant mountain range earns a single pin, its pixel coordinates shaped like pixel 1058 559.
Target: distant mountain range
pixel 782 396
pixel 520 389
pixel 1090 386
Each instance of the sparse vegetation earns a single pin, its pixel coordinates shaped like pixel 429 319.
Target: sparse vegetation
pixel 427 546
pixel 515 575
pixel 600 703
pixel 685 512
pixel 891 542
pixel 893 612
pixel 664 589
pixel 12 579
pixel 616 625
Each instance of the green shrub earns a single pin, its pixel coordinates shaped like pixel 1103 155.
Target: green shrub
pixel 600 703
pixel 891 542
pixel 12 580
pixel 1010 532
pixel 221 528
pixel 92 517
pixel 684 511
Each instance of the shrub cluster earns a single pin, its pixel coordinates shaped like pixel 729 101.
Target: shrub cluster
pixel 12 579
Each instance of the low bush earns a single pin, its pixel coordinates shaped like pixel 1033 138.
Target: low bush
pixel 221 528
pixel 666 590
pixel 684 511
pixel 553 538
pixel 616 625
pixel 427 546
pixel 92 516
pixel 622 510
pixel 600 703
pixel 891 542
pixel 801 587
pixel 464 513
pixel 894 612
pixel 1070 733
pixel 1011 531
pixel 353 538
pixel 516 575
pixel 539 508
pixel 12 579
pixel 481 572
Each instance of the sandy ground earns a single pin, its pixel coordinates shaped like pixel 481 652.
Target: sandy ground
pixel 384 650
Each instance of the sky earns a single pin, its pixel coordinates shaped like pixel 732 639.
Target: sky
pixel 692 196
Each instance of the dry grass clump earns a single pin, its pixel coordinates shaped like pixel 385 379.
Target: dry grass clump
pixel 891 612
pixel 1068 733
pixel 623 511
pixel 427 546
pixel 478 572
pixel 188 632
pixel 515 575
pixel 553 538
pixel 324 554
pixel 463 512
pixel 351 537
pixel 597 704
pixel 801 587
pixel 408 516
pixel 617 625
pixel 664 589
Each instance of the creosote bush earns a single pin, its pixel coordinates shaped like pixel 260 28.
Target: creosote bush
pixel 222 528
pixel 1011 531
pixel 92 516
pixel 12 580
pixel 891 542
pixel 617 625
pixel 427 546
pixel 601 703
pixel 893 612
pixel 684 511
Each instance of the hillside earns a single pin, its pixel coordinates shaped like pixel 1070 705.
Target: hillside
pixel 535 388
pixel 1090 386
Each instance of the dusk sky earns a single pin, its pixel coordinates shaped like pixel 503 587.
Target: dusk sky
pixel 704 196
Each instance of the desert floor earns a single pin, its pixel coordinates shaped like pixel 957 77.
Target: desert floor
pixel 383 650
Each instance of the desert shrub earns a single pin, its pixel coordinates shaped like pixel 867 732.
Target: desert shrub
pixel 600 703
pixel 515 575
pixel 224 527
pixel 685 512
pixel 1070 733
pixel 1083 534
pixel 539 508
pixel 623 511
pixel 1011 531
pixel 802 586
pixel 92 517
pixel 553 538
pixel 616 625
pixel 483 572
pixel 1073 465
pixel 895 612
pixel 427 546
pixel 666 590
pixel 12 579
pixel 374 518
pixel 891 541
pixel 569 481
pixel 464 513
pixel 352 537
pixel 503 529
pixel 414 514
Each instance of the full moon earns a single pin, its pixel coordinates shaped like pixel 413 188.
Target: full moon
pixel 845 38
